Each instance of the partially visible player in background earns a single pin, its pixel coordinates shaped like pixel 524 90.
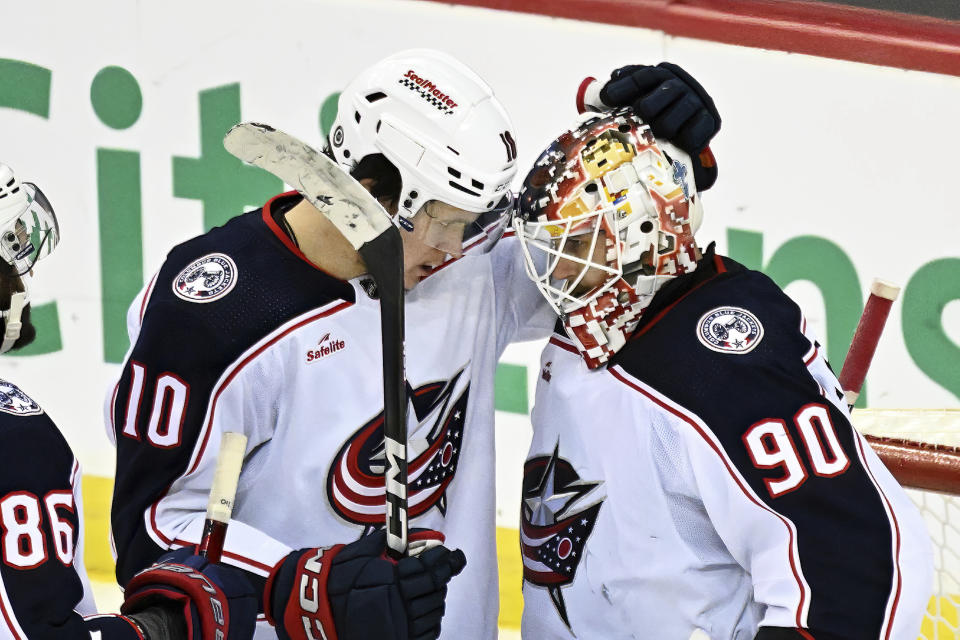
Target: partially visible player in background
pixel 693 470
pixel 269 326
pixel 44 591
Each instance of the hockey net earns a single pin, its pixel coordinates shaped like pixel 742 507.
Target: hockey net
pixel 921 447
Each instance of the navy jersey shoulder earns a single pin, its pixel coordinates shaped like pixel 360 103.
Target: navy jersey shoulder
pixel 215 296
pixel 41 521
pixel 719 336
pixel 238 282
pixel 34 456
pixel 726 345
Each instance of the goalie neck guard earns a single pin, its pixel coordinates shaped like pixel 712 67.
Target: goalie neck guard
pixel 441 126
pixel 605 217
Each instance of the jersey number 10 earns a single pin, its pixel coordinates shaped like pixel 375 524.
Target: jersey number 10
pixel 770 447
pixel 170 395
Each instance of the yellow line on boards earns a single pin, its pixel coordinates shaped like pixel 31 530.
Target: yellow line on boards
pixel 97 557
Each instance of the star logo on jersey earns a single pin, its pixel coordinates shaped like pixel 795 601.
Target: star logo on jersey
pixel 435 421
pixel 16 402
pixel 553 533
pixel 729 330
pixel 545 374
pixel 212 276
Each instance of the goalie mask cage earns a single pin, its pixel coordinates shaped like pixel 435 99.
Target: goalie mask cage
pixel 921 447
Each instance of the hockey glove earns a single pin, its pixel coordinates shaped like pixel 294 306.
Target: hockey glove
pixel 184 590
pixel 676 107
pixel 355 592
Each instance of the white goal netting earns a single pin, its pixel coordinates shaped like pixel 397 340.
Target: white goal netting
pixel 922 448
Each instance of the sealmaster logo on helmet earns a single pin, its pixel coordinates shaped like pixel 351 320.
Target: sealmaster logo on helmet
pixel 428 91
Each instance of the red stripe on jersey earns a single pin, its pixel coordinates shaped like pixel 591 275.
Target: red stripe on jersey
pixel 250 358
pixel 213 405
pixel 693 423
pixel 146 296
pixel 277 231
pixel 556 340
pixel 657 318
pixel 803 331
pixel 113 401
pixel 130 622
pixel 888 622
pixel 8 616
pixel 283 237
pixel 718 263
pixel 229 554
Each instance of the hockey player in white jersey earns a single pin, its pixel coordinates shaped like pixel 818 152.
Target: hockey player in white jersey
pixel 269 325
pixel 44 590
pixel 693 470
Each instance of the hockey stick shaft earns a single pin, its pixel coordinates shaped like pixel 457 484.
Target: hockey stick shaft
pixel 865 338
pixel 370 230
pixel 384 259
pixel 233 446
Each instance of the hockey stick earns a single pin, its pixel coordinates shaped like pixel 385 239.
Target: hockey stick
pixel 222 494
pixel 370 229
pixel 865 339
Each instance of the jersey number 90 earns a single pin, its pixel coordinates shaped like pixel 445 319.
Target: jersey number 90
pixel 770 447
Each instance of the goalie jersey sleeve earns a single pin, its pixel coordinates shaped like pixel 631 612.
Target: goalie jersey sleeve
pixel 219 303
pixel 832 543
pixel 43 586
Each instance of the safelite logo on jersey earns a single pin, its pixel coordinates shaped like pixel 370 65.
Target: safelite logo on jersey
pixel 325 347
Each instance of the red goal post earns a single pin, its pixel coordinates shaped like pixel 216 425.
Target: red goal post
pixel 921 447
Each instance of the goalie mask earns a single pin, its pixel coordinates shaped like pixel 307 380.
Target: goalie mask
pixel 28 232
pixel 440 124
pixel 605 217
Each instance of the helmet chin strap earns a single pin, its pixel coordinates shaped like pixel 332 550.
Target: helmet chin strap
pixel 12 321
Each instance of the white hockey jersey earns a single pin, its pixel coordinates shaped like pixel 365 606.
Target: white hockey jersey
pixel 710 479
pixel 238 332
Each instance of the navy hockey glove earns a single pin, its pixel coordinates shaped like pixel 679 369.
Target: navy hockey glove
pixel 355 592
pixel 184 590
pixel 676 107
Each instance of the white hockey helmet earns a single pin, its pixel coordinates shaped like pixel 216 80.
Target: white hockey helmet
pixel 28 226
pixel 441 126
pixel 608 174
pixel 28 231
